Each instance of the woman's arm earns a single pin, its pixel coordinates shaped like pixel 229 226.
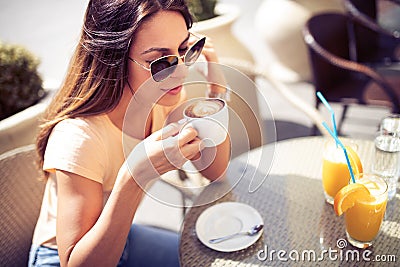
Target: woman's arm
pixel 215 76
pixel 87 234
pixel 214 161
pixel 90 235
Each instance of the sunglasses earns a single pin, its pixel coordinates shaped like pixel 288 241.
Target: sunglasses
pixel 163 67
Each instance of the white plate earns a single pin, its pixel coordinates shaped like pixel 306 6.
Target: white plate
pixel 224 219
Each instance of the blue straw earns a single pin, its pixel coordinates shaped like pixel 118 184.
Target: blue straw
pixel 344 150
pixel 323 100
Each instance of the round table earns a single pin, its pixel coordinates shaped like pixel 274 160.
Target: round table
pixel 296 217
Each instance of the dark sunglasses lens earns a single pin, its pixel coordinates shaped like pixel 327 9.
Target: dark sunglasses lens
pixel 163 67
pixel 194 52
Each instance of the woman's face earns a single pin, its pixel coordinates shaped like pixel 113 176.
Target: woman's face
pixel 163 34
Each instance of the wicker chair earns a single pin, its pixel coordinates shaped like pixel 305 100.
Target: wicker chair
pixel 336 76
pixel 372 42
pixel 21 195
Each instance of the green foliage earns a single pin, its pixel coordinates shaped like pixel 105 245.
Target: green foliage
pixel 20 82
pixel 202 9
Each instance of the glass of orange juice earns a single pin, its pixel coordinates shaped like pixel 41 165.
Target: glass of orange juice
pixel 335 172
pixel 364 219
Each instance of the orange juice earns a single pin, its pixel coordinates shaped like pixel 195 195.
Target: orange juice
pixel 364 219
pixel 335 173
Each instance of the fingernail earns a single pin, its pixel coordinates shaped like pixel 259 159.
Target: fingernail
pixel 182 121
pixel 170 127
pixel 201 145
pixel 187 130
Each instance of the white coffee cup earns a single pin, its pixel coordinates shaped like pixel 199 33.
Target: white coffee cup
pixel 209 117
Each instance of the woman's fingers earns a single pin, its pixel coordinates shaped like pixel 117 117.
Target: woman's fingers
pixel 178 146
pixel 189 144
pixel 168 131
pixel 192 150
pixel 181 147
pixel 185 136
pixel 208 49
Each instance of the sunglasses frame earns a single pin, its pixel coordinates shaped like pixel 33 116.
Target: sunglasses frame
pixel 173 65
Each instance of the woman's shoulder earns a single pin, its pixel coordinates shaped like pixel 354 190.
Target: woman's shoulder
pixel 78 134
pixel 83 122
pixel 84 131
pixel 78 145
pixel 89 125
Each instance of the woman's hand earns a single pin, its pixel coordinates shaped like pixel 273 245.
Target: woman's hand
pixel 165 150
pixel 208 50
pixel 213 73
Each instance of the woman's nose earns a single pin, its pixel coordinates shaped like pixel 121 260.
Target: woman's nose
pixel 181 70
pixel 181 59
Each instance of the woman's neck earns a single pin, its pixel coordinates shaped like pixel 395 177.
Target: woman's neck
pixel 133 118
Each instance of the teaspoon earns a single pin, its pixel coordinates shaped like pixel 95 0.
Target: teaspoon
pixel 252 231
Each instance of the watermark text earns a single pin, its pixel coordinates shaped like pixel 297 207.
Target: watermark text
pixel 326 254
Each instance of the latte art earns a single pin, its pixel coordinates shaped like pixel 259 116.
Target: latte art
pixel 203 108
pixel 210 118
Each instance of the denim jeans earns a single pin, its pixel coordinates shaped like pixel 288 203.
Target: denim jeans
pixel 146 246
pixel 43 256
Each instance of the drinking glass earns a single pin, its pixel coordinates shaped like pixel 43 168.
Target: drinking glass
pixel 391 125
pixel 387 159
pixel 387 152
pixel 335 172
pixel 364 219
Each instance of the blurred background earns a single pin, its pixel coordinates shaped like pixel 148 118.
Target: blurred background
pixel 267 34
pixel 269 30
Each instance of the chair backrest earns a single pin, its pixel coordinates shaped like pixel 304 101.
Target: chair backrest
pixel 338 77
pixel 327 37
pixel 21 194
pixel 373 42
pixel 366 8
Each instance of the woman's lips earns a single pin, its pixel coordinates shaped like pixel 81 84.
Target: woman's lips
pixel 173 91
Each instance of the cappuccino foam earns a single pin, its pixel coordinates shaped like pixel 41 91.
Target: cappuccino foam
pixel 203 108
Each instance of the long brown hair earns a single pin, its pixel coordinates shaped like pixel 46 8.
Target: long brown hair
pixel 98 69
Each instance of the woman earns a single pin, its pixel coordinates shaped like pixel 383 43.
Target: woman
pixel 93 189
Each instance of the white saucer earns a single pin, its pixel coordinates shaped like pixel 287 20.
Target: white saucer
pixel 228 218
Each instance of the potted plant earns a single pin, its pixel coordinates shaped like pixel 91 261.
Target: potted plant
pixel 202 9
pixel 21 96
pixel 20 82
pixel 215 20
pixel 282 36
